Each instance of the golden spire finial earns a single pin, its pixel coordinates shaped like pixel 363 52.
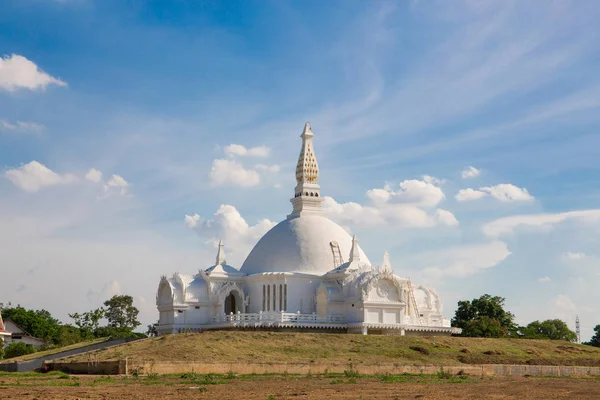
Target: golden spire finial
pixel 307 170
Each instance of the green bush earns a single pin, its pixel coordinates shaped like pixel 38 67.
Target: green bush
pixel 17 349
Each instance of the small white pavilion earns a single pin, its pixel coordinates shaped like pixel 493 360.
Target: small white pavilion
pixel 306 273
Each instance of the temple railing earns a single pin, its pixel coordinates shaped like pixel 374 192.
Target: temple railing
pixel 276 316
pixel 421 321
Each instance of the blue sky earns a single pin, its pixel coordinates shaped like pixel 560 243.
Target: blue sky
pixel 462 137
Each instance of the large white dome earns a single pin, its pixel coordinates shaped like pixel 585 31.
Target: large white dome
pixel 301 244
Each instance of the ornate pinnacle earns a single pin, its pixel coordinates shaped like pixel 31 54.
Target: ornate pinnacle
pixel 354 253
pixel 387 265
pixel 220 254
pixel 307 131
pixel 307 169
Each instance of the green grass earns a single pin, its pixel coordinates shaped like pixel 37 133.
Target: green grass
pixel 204 381
pixel 54 350
pixel 34 374
pixel 308 348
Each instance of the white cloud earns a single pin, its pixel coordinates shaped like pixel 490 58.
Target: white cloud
pixel 17 72
pixel 413 191
pixel 404 207
pixel 20 127
pixel 469 194
pixel 507 225
pixel 544 279
pixel 191 221
pixel 116 184
pixel 445 217
pixel 228 224
pixel 243 151
pixel 228 172
pixel 433 180
pixel 504 192
pixel 574 256
pixel 268 168
pixel 469 259
pixel 111 289
pixel 35 176
pixel 93 175
pixel 564 303
pixel 470 172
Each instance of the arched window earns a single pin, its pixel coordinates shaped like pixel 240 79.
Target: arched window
pixel 306 193
pixel 316 194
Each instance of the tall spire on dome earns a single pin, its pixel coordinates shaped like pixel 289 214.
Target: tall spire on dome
pixel 220 254
pixel 354 253
pixel 307 194
pixel 307 169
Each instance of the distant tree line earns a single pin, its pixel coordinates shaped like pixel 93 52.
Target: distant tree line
pixel 118 314
pixel 486 317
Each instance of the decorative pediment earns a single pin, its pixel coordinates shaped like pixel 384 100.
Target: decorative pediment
pixel 222 290
pixel 370 280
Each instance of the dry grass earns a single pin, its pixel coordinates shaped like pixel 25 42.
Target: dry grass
pixel 240 347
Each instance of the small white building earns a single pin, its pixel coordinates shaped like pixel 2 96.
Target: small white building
pixel 18 334
pixel 306 273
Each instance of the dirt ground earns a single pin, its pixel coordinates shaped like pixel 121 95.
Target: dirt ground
pixel 276 388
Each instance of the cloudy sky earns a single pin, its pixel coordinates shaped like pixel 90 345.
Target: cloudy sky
pixel 462 137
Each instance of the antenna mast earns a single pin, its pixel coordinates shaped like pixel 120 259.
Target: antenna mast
pixel 577 329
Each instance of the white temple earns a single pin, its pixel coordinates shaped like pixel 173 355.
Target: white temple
pixel 306 273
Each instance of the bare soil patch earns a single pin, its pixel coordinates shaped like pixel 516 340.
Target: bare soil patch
pixel 286 387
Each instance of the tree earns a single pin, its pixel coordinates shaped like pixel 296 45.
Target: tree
pixel 88 322
pixel 69 335
pixel 595 340
pixel 152 331
pixel 17 349
pixel 484 317
pixel 121 313
pixel 1 348
pixel 553 329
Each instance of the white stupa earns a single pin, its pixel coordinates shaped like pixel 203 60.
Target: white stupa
pixel 306 273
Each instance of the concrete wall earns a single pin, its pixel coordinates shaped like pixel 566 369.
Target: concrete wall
pixel 92 368
pixel 161 367
pixel 9 367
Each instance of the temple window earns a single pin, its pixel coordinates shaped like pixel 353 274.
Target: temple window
pixel 274 298
pixel 264 297
pixel 285 297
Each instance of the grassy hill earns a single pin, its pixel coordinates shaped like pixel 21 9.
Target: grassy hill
pixel 54 350
pixel 273 347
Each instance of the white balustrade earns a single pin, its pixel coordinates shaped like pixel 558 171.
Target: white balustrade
pixel 275 316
